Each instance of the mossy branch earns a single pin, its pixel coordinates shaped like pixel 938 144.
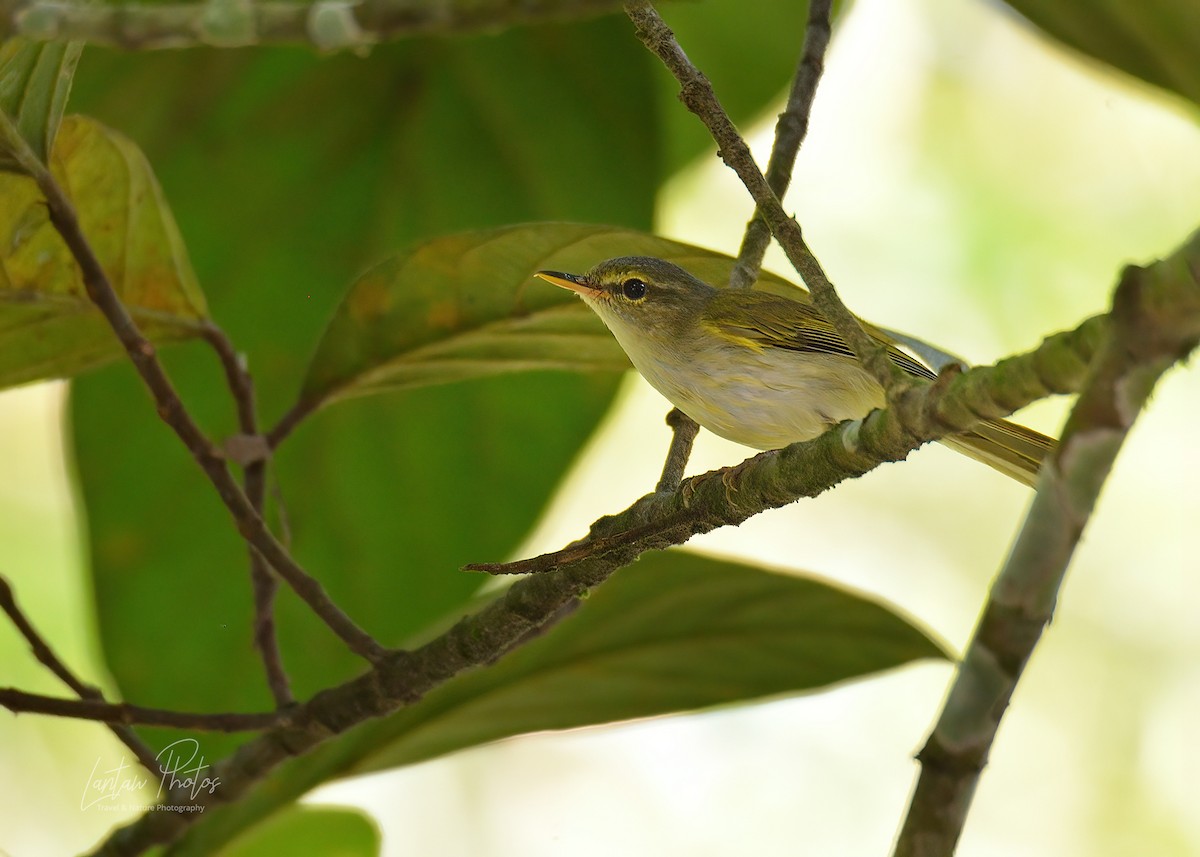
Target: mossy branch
pixel 1154 322
pixel 327 25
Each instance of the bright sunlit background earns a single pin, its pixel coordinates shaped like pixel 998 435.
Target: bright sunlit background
pixel 965 181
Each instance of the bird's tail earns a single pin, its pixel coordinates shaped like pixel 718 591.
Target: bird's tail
pixel 1012 449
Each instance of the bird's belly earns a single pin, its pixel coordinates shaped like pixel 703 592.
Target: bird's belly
pixel 767 401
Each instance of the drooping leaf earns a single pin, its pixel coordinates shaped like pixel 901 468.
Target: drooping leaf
pixel 1155 40
pixel 674 632
pixel 292 174
pixel 48 325
pixel 467 306
pixel 324 831
pixel 35 79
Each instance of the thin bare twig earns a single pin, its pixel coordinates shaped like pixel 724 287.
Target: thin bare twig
pixel 46 656
pixel 790 131
pixel 697 95
pixel 18 701
pixel 238 379
pixel 288 422
pixel 171 409
pixel 1145 340
pixel 264 584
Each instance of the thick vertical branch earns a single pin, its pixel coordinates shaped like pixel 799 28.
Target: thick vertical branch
pixel 1148 334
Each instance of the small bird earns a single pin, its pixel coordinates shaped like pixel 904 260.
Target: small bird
pixel 760 369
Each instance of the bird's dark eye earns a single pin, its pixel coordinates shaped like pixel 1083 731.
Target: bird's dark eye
pixel 634 289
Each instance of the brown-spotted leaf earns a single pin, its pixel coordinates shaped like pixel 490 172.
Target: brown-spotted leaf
pixel 35 79
pixel 1155 40
pixel 467 305
pixel 48 326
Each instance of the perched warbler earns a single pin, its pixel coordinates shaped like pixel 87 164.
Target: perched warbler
pixel 757 368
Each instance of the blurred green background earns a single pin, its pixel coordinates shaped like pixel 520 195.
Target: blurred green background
pixel 964 180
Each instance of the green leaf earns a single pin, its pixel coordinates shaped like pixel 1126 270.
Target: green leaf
pixel 324 831
pixel 674 632
pixel 35 80
pixel 290 174
pixel 48 325
pixel 1155 40
pixel 467 306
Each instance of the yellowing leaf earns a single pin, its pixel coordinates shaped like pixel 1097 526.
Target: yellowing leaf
pixel 48 325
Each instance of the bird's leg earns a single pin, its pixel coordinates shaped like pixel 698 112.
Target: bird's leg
pixel 684 430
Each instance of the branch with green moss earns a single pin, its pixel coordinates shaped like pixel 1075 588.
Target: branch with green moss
pixel 327 25
pixel 1154 323
pixel 778 477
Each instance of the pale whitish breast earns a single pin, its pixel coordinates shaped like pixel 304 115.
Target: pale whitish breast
pixel 766 399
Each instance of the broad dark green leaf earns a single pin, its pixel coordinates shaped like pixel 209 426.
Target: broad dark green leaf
pixel 48 326
pixel 35 79
pixel 467 305
pixel 291 174
pixel 320 831
pixel 674 632
pixel 1155 40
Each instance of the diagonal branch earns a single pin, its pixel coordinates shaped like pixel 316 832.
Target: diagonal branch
pixel 697 95
pixel 47 657
pixel 790 131
pixel 171 408
pixel 1145 339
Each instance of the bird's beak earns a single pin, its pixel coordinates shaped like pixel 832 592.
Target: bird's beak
pixel 574 282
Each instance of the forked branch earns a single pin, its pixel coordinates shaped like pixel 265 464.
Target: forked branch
pixel 170 407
